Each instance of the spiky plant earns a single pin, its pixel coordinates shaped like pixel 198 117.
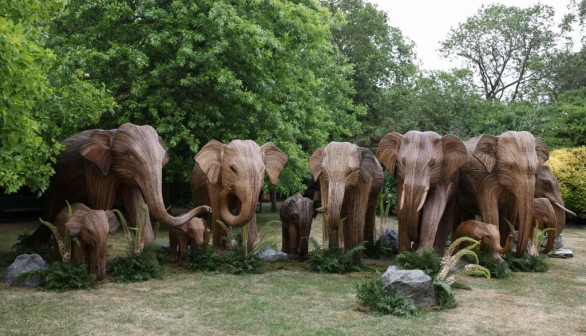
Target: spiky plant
pixel 63 241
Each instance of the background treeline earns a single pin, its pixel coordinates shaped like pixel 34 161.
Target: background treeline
pixel 299 73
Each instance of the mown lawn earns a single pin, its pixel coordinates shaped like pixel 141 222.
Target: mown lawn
pixel 288 300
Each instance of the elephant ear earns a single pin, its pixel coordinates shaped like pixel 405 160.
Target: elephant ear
pixel 315 163
pixel 369 164
pixel 76 222
pixel 388 149
pixel 485 151
pixel 98 149
pixel 541 150
pixel 275 159
pixel 455 154
pixel 209 160
pixel 113 222
pixel 166 157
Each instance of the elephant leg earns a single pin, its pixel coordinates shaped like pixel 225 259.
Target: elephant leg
pixel 369 220
pixel 173 245
pixel 251 232
pixel 285 243
pixel 356 204
pixel 182 248
pixel 137 209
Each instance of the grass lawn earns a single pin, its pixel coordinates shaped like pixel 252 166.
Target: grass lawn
pixel 287 300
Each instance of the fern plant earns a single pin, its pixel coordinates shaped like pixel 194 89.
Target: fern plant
pixel 334 260
pixel 372 294
pixel 428 261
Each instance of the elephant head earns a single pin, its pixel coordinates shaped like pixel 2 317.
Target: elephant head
pixel 487 233
pixel 513 158
pixel 427 166
pixel 547 186
pixel 92 227
pixel 135 155
pixel 296 215
pixel 237 170
pixel 545 217
pixel 350 180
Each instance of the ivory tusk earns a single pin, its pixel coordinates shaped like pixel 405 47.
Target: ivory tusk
pixel 422 200
pixel 569 212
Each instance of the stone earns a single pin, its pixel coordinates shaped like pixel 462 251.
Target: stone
pixel 414 284
pixel 25 263
pixel 558 242
pixel 271 254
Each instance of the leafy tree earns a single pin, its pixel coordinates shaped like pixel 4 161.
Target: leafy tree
pixel 37 97
pixel 567 127
pixel 507 47
pixel 383 60
pixel 217 69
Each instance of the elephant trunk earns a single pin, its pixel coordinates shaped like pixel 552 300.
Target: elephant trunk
pixel 524 194
pixel 334 210
pixel 247 207
pixel 412 199
pixel 496 246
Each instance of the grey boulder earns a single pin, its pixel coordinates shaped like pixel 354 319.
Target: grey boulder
pixel 414 284
pixel 25 263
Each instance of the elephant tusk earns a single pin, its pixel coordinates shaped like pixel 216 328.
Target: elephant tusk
pixel 423 198
pixel 402 200
pixel 569 212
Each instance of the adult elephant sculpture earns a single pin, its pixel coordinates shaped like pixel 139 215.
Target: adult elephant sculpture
pixel 547 186
pixel 98 167
pixel 297 213
pixel 231 176
pixel 499 179
pixel 427 170
pixel 92 227
pixel 350 180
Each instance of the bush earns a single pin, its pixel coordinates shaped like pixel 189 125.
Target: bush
pixel 372 294
pixel 135 267
pixel 568 166
pixel 527 263
pixel 334 260
pixel 428 261
pixel 61 276
pixel 382 248
pixel 497 269
pixel 203 260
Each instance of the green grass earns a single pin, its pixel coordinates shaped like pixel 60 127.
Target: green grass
pixel 288 300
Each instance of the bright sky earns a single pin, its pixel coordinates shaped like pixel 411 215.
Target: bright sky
pixel 428 22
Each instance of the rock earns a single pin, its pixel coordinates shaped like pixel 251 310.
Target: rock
pixel 273 255
pixel 558 243
pixel 414 284
pixel 393 238
pixel 25 263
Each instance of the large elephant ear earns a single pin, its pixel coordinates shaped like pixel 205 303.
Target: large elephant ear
pixel 315 163
pixel 485 151
pixel 388 149
pixel 98 149
pixel 455 154
pixel 166 157
pixel 209 159
pixel 541 150
pixel 369 164
pixel 76 222
pixel 275 159
pixel 113 222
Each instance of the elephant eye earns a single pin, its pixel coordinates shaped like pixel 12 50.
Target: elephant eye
pixel 431 163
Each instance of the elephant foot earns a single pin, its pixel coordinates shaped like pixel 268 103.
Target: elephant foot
pixel 497 257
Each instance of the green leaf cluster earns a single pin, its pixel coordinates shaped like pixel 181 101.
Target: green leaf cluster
pixel 568 166
pixel 61 276
pixel 135 267
pixel 428 261
pixel 372 294
pixel 527 263
pixel 334 260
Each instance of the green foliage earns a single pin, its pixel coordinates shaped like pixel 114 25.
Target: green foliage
pixel 334 260
pixel 135 267
pixel 23 246
pixel 203 260
pixel 444 296
pixel 371 293
pixel 428 261
pixel 497 269
pixel 567 127
pixel 61 276
pixel 239 261
pixel 527 263
pixel 568 166
pixel 216 69
pixel 380 249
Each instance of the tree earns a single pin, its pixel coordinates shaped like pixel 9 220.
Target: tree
pixel 217 69
pixel 37 97
pixel 567 127
pixel 507 47
pixel 383 60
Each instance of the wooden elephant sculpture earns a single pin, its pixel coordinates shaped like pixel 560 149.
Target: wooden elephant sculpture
pixel 92 228
pixel 427 172
pixel 487 233
pixel 499 181
pixel 193 234
pixel 297 213
pixel 101 167
pixel 544 216
pixel 229 177
pixel 350 180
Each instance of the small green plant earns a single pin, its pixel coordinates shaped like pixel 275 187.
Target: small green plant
pixel 371 293
pixel 539 236
pixel 428 261
pixel 140 263
pixel 497 269
pixel 334 260
pixel 527 263
pixel 63 240
pixel 203 260
pixel 380 249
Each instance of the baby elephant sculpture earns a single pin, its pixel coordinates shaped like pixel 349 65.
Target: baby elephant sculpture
pixel 194 234
pixel 92 228
pixel 487 233
pixel 297 213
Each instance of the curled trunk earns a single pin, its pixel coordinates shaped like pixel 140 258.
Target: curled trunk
pixel 247 209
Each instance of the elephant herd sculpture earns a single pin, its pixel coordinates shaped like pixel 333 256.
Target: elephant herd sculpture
pixel 442 181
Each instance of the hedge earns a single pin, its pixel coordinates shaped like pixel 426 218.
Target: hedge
pixel 569 166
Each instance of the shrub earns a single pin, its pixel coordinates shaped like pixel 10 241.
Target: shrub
pixel 568 166
pixel 61 276
pixel 497 270
pixel 428 261
pixel 372 294
pixel 135 267
pixel 203 260
pixel 382 248
pixel 527 263
pixel 334 260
